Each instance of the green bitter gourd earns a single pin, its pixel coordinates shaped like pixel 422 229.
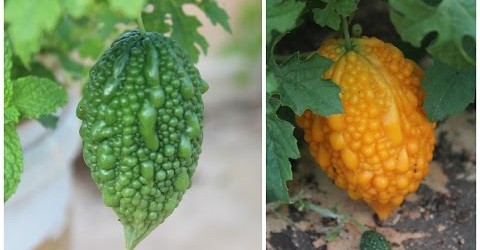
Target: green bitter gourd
pixel 142 121
pixel 372 240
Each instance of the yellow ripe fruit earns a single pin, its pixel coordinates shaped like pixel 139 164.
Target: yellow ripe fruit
pixel 380 147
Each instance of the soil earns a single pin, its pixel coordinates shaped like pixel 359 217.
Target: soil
pixel 440 215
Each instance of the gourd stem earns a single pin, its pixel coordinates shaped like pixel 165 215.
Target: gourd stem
pixel 346 33
pixel 140 24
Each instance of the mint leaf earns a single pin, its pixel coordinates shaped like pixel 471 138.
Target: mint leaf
pixel 7 70
pixel 35 96
pixel 28 20
pixel 331 15
pixel 215 14
pixel 282 16
pixel 11 114
pixel 448 90
pixel 129 8
pixel 281 146
pixel 301 86
pixel 13 160
pixel 453 21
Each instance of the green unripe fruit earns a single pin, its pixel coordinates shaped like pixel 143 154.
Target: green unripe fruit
pixel 142 121
pixel 372 240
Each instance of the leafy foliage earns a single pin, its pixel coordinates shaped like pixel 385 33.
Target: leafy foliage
pixel 88 26
pixel 296 85
pixel 48 121
pixel 34 96
pixel 301 86
pixel 455 41
pixel 281 146
pixel 448 90
pixel 11 114
pixel 129 8
pixel 26 97
pixel 28 20
pixel 215 13
pixel 183 27
pixel 7 79
pixel 282 16
pixel 78 7
pixel 13 160
pixel 331 15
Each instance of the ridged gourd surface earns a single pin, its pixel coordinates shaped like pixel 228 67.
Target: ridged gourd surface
pixel 380 147
pixel 372 240
pixel 142 121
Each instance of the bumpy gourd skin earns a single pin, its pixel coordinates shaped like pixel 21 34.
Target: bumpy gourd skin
pixel 372 240
pixel 142 120
pixel 380 147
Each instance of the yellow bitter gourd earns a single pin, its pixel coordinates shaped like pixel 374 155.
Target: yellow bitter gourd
pixel 380 147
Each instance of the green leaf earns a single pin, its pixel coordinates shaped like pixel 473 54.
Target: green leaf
pixel 184 28
pixel 282 16
pixel 74 68
pixel 301 86
pixel 11 114
pixel 185 31
pixel 35 96
pixel 28 20
pixel 452 20
pixel 7 69
pixel 168 16
pixel 448 90
pixel 48 121
pixel 272 84
pixel 36 69
pixel 281 146
pixel 77 8
pixel 333 12
pixel 106 26
pixel 130 8
pixel 156 20
pixel 215 14
pixel 13 160
pixel 92 47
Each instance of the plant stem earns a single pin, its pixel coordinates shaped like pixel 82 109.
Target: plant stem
pixel 359 225
pixel 303 56
pixel 346 33
pixel 140 24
